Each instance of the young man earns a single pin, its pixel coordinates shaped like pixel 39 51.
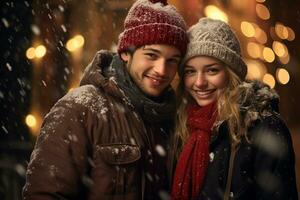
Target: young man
pixel 108 138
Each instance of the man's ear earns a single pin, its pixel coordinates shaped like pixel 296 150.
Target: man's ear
pixel 125 56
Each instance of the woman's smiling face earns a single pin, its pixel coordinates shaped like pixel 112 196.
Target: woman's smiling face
pixel 204 77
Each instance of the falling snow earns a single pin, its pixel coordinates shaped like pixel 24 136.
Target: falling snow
pixel 5 22
pixel 63 27
pixel 35 29
pixel 9 67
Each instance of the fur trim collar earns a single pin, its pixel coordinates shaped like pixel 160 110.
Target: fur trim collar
pixel 257 101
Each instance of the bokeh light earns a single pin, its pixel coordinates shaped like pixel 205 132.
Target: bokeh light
pixel 214 12
pixel 256 70
pixel 268 54
pixel 254 50
pixel 281 31
pixel 30 121
pixel 291 35
pixel 247 29
pixel 260 35
pixel 75 43
pixel 262 11
pixel 285 59
pixel 280 49
pixel 282 76
pixel 269 80
pixel 30 53
pixel 40 51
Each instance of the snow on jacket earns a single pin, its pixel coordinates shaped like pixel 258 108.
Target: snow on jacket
pixel 95 144
pixel 265 167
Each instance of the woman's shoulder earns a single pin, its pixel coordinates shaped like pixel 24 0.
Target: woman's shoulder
pixel 271 135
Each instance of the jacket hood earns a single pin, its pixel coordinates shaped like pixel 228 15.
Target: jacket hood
pixel 257 101
pixel 97 71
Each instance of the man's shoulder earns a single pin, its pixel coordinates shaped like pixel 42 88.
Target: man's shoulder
pixel 84 95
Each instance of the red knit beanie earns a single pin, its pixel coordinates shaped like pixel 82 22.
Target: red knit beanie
pixel 153 22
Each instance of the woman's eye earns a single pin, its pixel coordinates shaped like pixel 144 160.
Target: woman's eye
pixel 189 71
pixel 213 70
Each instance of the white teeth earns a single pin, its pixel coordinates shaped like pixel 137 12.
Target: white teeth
pixel 203 93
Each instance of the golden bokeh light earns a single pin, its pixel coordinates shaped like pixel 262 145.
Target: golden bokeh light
pixel 260 1
pixel 260 35
pixel 75 43
pixel 269 80
pixel 247 29
pixel 281 31
pixel 79 40
pixel 280 49
pixel 40 51
pixel 214 12
pixel 262 11
pixel 254 50
pixel 255 70
pixel 30 121
pixel 268 54
pixel 291 35
pixel 282 76
pixel 30 53
pixel 285 60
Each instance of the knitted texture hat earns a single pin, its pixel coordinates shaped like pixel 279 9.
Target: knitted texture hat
pixel 153 22
pixel 215 38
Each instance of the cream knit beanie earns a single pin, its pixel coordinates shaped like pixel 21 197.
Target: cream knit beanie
pixel 215 38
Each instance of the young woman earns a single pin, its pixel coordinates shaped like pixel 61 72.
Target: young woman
pixel 231 142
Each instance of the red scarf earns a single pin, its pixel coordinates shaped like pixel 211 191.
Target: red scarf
pixel 193 160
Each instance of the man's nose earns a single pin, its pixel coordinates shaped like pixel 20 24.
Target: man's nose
pixel 160 67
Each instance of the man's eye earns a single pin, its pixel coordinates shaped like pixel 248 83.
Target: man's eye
pixel 151 55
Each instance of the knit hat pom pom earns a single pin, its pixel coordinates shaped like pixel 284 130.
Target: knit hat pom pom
pixel 161 1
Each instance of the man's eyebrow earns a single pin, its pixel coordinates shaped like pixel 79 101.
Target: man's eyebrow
pixel 159 52
pixel 152 49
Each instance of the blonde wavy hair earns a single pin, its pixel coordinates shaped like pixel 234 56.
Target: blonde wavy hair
pixel 228 111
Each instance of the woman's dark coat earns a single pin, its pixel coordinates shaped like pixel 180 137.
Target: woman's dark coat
pixel 263 168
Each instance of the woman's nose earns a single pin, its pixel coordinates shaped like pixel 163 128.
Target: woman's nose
pixel 201 80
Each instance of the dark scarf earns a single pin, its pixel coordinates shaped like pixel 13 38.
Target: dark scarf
pixel 193 160
pixel 150 110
